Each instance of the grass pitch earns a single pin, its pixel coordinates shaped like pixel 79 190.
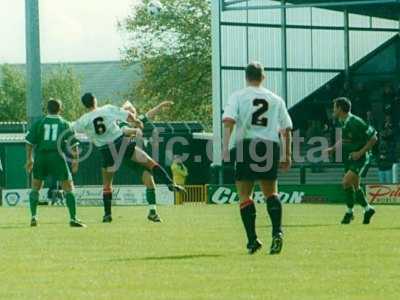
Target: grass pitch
pixel 198 253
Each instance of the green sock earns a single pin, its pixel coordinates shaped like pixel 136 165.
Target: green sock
pixel 33 202
pixel 71 204
pixel 151 199
pixel 361 199
pixel 349 199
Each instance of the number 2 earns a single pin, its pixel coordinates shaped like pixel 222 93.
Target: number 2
pixel 99 126
pixel 262 106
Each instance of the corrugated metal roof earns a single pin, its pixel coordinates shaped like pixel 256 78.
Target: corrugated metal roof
pixel 108 80
pixel 372 8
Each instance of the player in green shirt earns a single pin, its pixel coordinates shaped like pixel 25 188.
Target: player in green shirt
pixel 48 138
pixel 140 170
pixel 357 140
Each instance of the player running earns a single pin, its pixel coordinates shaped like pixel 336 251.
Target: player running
pixel 47 137
pixel 259 118
pixel 100 124
pixel 358 138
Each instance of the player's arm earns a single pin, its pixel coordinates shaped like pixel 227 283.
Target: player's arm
pixel 368 146
pixel 131 118
pixel 228 128
pixel 132 132
pixel 155 110
pixel 332 149
pixel 286 137
pixel 31 140
pixel 71 139
pixel 29 157
pixel 75 159
pixel 229 118
pixel 286 126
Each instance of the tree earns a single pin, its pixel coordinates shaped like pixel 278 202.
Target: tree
pixel 60 82
pixel 174 49
pixel 12 94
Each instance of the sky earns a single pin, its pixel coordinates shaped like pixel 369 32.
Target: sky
pixel 70 30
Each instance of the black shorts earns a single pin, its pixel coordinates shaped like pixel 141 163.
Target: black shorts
pixel 256 160
pixel 120 153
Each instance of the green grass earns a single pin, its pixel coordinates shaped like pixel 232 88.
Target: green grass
pixel 198 253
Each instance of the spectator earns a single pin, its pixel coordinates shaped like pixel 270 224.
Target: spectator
pixel 385 164
pixel 179 174
pixel 361 103
pixel 388 100
pixel 396 108
pixel 388 135
pixel 346 90
pixel 327 93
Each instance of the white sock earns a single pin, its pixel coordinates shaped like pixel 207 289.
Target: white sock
pixel 152 206
pixel 349 210
pixel 368 207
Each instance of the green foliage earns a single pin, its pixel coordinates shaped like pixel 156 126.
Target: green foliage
pixel 174 49
pixel 61 83
pixel 12 94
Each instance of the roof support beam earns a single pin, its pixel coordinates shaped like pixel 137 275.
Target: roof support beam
pixel 230 5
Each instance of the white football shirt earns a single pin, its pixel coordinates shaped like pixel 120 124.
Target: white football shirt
pixel 100 125
pixel 257 113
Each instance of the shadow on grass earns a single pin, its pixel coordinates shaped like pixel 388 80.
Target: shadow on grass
pixel 301 225
pixel 309 225
pixel 168 257
pixel 385 228
pixel 14 226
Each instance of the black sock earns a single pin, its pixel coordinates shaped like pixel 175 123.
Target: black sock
pixel 107 197
pixel 349 198
pixel 360 198
pixel 248 214
pixel 274 208
pixel 159 172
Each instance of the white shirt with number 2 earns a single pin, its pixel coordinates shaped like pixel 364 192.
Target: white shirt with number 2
pixel 258 114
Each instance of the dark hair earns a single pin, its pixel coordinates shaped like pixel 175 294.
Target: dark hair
pixel 88 100
pixel 254 71
pixel 343 103
pixel 54 106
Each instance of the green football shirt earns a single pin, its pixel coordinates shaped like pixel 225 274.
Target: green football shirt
pixel 355 134
pixel 50 131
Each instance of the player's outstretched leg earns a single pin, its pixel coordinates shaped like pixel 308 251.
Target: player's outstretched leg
pixel 33 204
pixel 141 157
pixel 369 211
pixel 248 215
pixel 349 199
pixel 274 208
pixel 163 174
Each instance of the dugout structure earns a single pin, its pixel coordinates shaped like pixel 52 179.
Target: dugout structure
pixel 302 44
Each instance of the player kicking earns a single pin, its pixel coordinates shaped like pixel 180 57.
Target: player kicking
pixel 44 137
pixel 357 140
pixel 145 175
pixel 100 124
pixel 259 117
